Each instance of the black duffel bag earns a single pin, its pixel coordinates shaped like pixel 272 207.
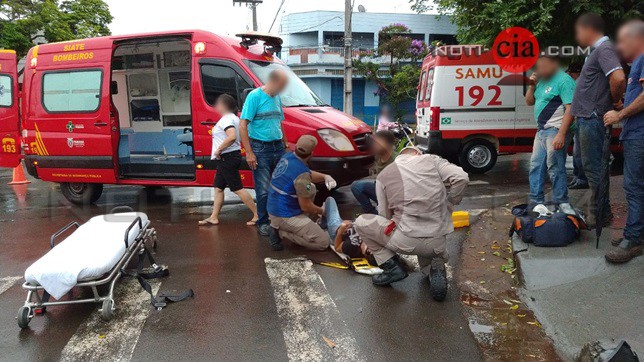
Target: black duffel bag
pixel 552 230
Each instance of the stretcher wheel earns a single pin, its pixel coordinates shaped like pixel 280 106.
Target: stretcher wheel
pixel 107 310
pixel 23 317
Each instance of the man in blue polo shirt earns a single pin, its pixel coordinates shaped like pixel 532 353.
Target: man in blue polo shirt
pixel 631 47
pixel 263 137
pixel 551 96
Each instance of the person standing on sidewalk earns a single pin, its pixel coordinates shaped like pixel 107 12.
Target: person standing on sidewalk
pixel 550 91
pixel 263 138
pixel 579 180
pixel 382 147
pixel 630 44
pixel 416 196
pixel 600 88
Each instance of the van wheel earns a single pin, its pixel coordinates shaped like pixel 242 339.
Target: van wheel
pixel 81 193
pixel 478 156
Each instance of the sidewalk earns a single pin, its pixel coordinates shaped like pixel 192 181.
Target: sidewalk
pixel 579 297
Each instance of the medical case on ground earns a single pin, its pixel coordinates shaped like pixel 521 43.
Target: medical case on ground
pixel 551 229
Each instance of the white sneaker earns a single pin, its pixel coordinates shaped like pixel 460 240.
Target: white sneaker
pixel 542 210
pixel 566 208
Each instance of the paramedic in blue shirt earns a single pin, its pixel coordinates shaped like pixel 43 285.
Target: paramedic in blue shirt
pixel 290 197
pixel 600 88
pixel 551 91
pixel 631 47
pixel 263 137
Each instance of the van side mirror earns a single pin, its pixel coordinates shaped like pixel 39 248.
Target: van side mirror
pixel 244 94
pixel 114 88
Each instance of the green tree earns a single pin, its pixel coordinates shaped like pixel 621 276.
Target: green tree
pixel 22 22
pixel 395 71
pixel 552 21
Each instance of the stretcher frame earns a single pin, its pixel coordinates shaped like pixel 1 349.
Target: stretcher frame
pixel 38 298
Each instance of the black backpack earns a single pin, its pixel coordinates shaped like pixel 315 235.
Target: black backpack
pixel 555 229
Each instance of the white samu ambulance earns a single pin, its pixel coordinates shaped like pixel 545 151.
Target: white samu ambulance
pixel 469 109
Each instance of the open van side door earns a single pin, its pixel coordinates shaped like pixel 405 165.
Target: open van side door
pixel 10 153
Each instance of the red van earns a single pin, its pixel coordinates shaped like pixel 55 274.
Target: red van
pixel 9 120
pixel 138 110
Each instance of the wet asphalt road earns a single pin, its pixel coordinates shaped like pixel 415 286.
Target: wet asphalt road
pixel 233 315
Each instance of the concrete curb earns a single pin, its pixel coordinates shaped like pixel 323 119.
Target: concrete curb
pixel 578 297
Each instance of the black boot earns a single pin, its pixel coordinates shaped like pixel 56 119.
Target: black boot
pixel 274 239
pixel 393 272
pixel 438 280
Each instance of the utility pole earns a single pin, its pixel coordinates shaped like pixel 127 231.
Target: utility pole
pixel 348 64
pixel 253 7
pixel 252 4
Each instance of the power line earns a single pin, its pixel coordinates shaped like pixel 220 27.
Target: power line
pixel 276 15
pixel 315 26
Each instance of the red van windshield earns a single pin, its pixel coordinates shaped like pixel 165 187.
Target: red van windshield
pixel 296 94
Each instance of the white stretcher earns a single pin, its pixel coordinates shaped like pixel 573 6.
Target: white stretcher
pixel 95 254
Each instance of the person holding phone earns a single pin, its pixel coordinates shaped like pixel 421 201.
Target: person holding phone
pixel 550 92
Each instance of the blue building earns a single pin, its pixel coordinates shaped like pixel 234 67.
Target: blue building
pixel 314 49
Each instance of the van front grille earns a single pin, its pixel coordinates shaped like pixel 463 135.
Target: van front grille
pixel 361 141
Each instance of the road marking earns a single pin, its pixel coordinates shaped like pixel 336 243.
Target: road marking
pixel 308 314
pixel 96 340
pixel 491 196
pixel 478 182
pixel 7 282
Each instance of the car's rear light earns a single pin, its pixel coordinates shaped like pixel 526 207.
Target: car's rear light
pixel 434 118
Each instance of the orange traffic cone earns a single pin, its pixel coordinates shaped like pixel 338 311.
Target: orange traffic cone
pixel 19 176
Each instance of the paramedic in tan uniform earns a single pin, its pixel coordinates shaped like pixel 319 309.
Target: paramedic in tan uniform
pixel 416 195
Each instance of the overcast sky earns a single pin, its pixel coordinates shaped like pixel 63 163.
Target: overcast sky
pixel 220 16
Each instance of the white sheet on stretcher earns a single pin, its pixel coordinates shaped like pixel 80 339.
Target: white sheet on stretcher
pixel 88 253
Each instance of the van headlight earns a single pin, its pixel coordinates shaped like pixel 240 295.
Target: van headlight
pixel 335 139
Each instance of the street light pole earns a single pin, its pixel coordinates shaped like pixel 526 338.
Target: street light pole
pixel 348 66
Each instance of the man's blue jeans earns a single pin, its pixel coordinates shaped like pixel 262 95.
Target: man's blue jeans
pixel 268 155
pixel 633 189
pixel 591 135
pixel 332 217
pixel 546 160
pixel 578 170
pixel 365 191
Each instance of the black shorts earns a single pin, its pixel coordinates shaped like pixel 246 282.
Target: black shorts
pixel 228 171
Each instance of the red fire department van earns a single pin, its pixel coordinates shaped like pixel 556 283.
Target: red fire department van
pixel 9 119
pixel 469 109
pixel 138 110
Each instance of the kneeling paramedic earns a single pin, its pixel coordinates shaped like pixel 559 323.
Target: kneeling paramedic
pixel 415 216
pixel 290 197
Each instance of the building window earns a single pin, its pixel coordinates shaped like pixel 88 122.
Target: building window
pixel 76 91
pixel 359 40
pixel 6 91
pixel 219 79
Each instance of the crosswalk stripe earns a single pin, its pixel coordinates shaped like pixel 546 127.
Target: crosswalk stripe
pixel 7 282
pixel 96 340
pixel 311 323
